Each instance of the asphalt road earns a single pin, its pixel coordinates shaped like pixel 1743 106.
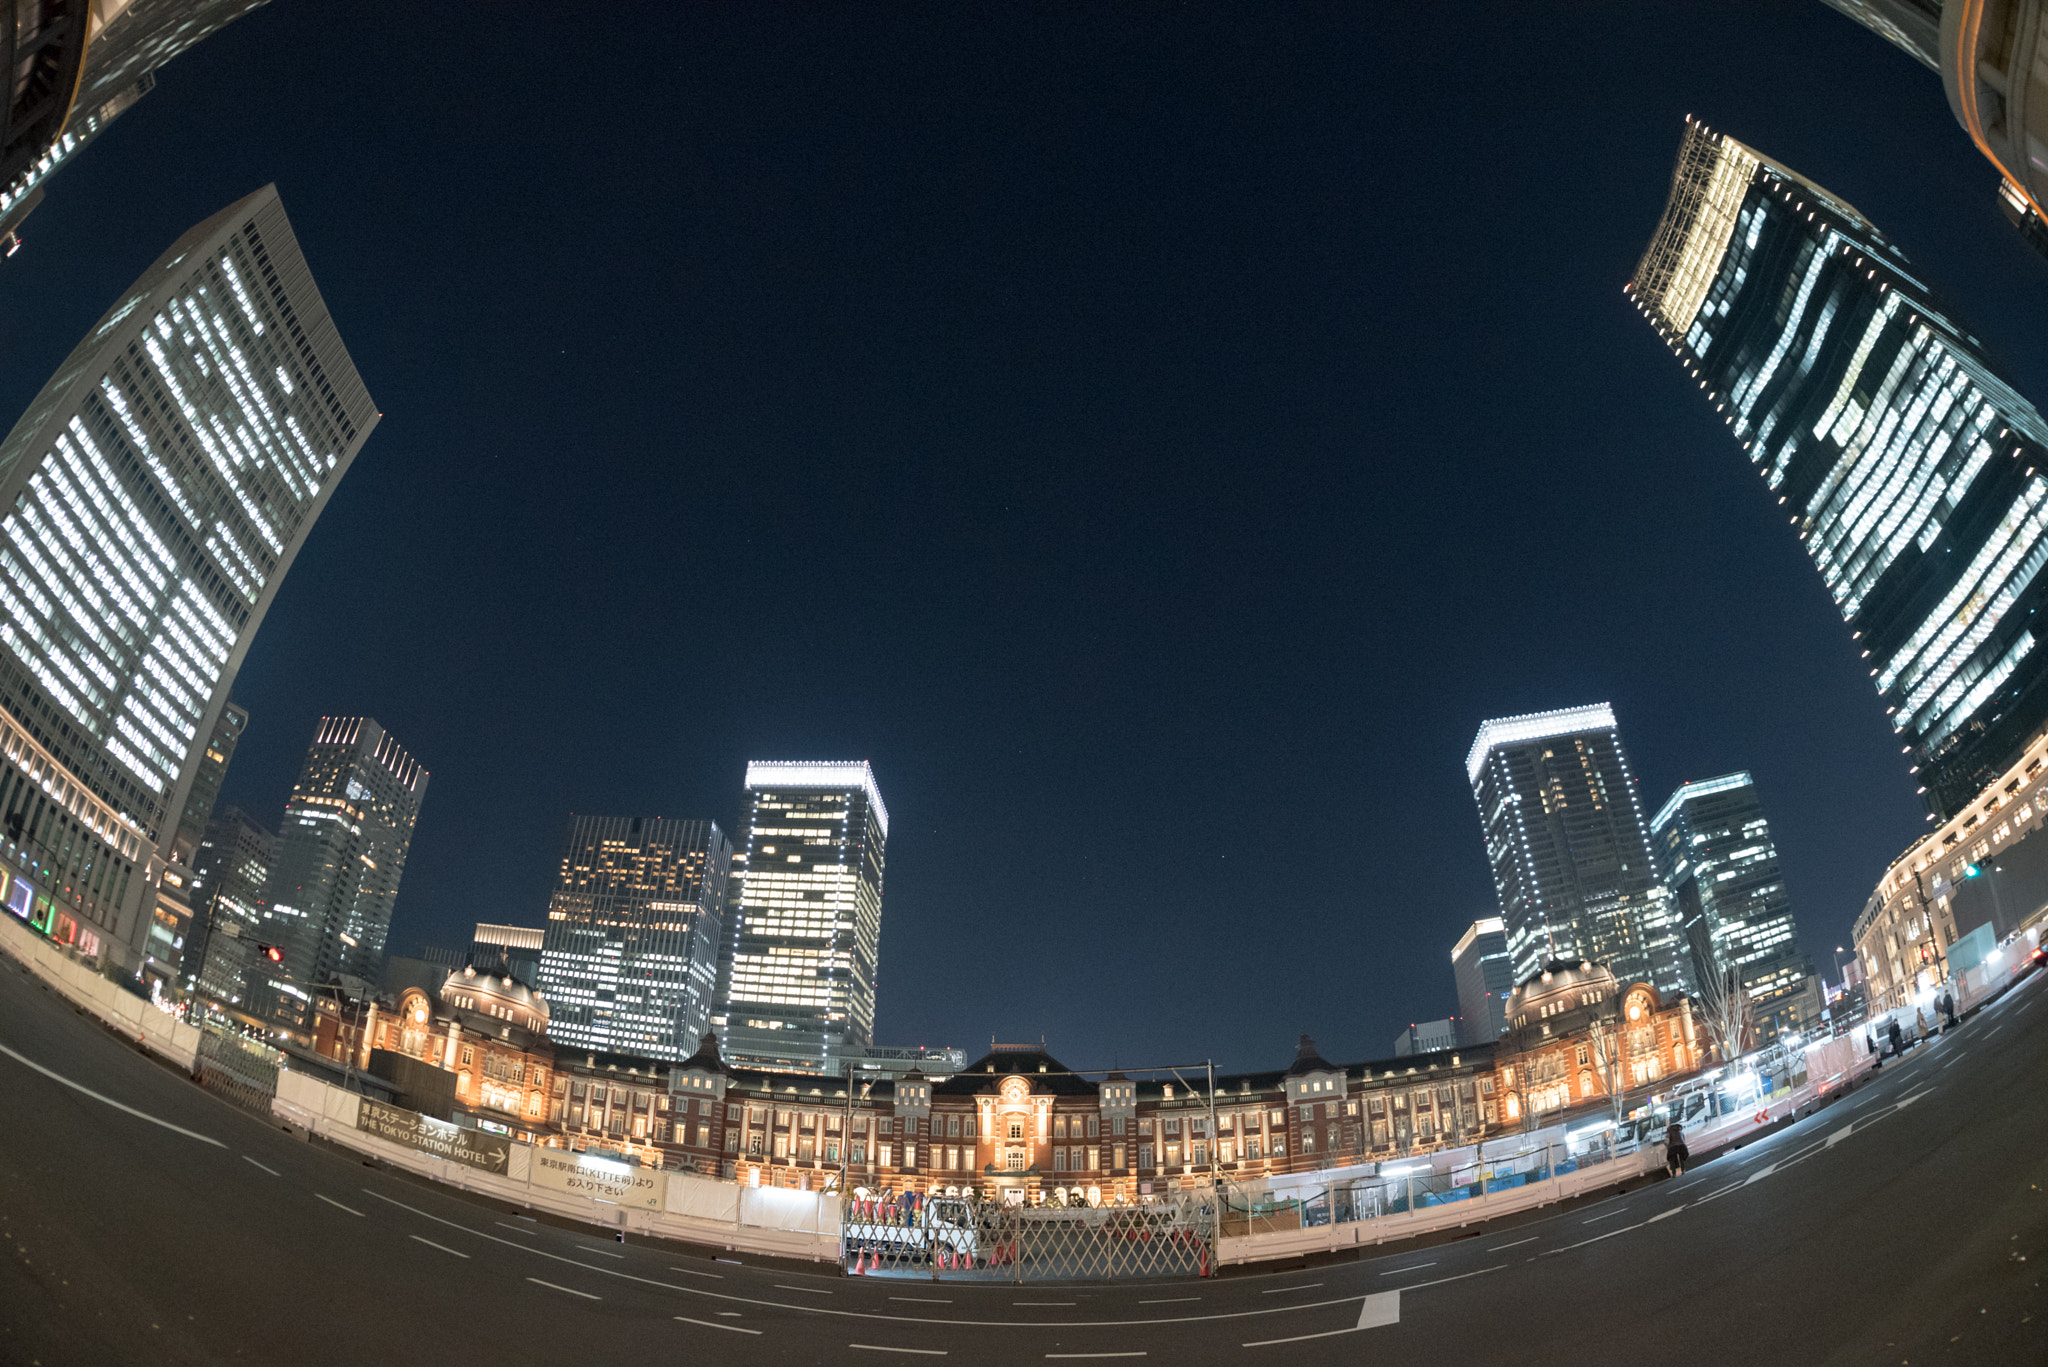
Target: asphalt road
pixel 1906 1224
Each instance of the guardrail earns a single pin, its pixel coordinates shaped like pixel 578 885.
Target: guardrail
pixel 133 1016
pixel 615 1197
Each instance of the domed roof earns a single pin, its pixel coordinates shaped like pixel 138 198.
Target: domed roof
pixel 1562 986
pixel 498 995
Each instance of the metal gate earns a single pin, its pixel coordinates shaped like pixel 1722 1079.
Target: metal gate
pixel 241 1070
pixel 965 1238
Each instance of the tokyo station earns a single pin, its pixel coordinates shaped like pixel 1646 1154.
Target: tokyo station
pixel 1017 1123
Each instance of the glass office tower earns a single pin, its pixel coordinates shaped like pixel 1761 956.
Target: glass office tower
pixel 1571 857
pixel 74 66
pixel 1485 974
pixel 797 976
pixel 1715 853
pixel 1915 477
pixel 155 494
pixel 340 853
pixel 230 870
pixel 629 957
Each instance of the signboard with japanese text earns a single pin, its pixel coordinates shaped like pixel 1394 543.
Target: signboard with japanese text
pixel 601 1179
pixel 437 1137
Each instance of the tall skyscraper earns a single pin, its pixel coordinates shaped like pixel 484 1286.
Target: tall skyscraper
pixel 230 871
pixel 797 977
pixel 1715 854
pixel 156 492
pixel 1570 854
pixel 1914 476
pixel 347 829
pixel 629 958
pixel 73 67
pixel 179 919
pixel 520 949
pixel 1992 56
pixel 1485 973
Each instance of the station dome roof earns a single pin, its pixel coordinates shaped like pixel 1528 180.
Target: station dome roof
pixel 1565 985
pixel 496 994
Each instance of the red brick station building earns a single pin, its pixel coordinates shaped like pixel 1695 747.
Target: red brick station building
pixel 1018 1120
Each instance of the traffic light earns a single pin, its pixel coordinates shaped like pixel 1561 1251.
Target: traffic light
pixel 272 953
pixel 1972 871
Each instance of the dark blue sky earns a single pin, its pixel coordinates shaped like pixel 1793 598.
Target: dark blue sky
pixel 1154 436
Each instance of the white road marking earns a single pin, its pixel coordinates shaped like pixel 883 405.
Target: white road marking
pixel 1380 1308
pixel 1595 1239
pixel 1906 1101
pixel 735 1299
pixel 880 1348
pixel 1412 1267
pixel 1127 1354
pixel 1282 1290
pixel 552 1287
pixel 922 1300
pixel 808 1290
pixel 1839 1135
pixel 1695 1182
pixel 1516 1244
pixel 691 1272
pixel 600 1252
pixel 445 1249
pixel 119 1106
pixel 1994 1029
pixel 1761 1173
pixel 1041 1302
pixel 1603 1215
pixel 272 1171
pixel 339 1206
pixel 1171 1300
pixel 516 1229
pixel 714 1324
pixel 1664 1215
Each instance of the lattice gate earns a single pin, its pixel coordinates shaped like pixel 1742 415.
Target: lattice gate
pixel 965 1238
pixel 241 1070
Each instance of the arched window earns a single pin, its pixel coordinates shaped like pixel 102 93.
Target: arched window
pixel 1585 1082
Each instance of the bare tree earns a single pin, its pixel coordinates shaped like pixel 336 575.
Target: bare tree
pixel 1729 1014
pixel 1608 1047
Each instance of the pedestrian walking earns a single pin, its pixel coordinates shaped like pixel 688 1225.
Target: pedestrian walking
pixel 1948 1006
pixel 1893 1031
pixel 1676 1155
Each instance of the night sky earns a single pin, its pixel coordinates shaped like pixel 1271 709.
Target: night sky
pixel 1154 436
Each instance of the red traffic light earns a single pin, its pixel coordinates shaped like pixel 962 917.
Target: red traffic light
pixel 273 953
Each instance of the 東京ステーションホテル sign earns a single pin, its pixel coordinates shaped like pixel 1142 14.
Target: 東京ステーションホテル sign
pixel 438 1137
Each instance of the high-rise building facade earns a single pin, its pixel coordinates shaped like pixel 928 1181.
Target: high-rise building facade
pixel 340 853
pixel 73 67
pixel 519 947
pixel 230 871
pixel 179 919
pixel 1992 56
pixel 797 977
pixel 1569 849
pixel 1914 476
pixel 1485 973
pixel 629 958
pixel 155 494
pixel 1715 853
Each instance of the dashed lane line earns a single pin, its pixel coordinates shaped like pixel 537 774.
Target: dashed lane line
pixel 456 1251
pixel 1171 1300
pixel 272 1171
pixel 1604 1214
pixel 553 1287
pixel 1282 1290
pixel 1663 1215
pixel 734 1299
pixel 1380 1308
pixel 1760 1174
pixel 600 1252
pixel 714 1324
pixel 339 1206
pixel 1516 1244
pixel 28 1062
pixel 884 1348
pixel 1041 1302
pixel 1594 1240
pixel 1412 1267
pixel 1127 1353
pixel 693 1272
pixel 807 1290
pixel 922 1300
